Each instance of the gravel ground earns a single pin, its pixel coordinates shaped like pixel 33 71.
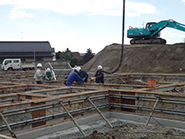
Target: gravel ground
pixel 121 130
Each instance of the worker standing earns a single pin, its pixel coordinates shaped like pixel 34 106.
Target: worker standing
pixel 83 74
pixel 38 74
pixel 73 76
pixel 99 76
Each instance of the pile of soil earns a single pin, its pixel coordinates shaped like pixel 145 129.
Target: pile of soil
pixel 138 132
pixel 140 59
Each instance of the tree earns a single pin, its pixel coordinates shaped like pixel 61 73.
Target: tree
pixel 64 55
pixel 58 55
pixel 88 55
pixel 67 56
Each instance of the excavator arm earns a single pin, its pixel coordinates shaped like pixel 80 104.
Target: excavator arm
pixel 166 23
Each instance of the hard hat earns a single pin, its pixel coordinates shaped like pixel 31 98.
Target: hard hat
pixel 77 68
pixel 39 65
pixel 99 67
pixel 48 69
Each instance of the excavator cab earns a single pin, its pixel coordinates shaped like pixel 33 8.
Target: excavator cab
pixel 149 25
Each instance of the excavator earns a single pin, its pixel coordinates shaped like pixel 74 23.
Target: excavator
pixel 151 33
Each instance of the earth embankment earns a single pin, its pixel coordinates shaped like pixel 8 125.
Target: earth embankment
pixel 140 59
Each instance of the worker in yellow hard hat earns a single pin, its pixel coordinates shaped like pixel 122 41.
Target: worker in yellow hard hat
pixel 99 76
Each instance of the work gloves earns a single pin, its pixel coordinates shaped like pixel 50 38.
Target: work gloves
pixel 93 78
pixel 84 79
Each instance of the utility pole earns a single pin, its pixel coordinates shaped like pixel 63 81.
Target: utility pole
pixel 22 35
pixel 123 26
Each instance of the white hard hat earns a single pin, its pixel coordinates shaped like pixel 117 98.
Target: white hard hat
pixel 99 67
pixel 39 65
pixel 48 69
pixel 77 68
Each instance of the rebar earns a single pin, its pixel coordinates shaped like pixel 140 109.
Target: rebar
pixel 72 119
pixel 100 112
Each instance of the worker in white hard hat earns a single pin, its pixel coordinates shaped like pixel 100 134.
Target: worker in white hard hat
pixel 99 76
pixel 73 76
pixel 48 74
pixel 83 74
pixel 38 74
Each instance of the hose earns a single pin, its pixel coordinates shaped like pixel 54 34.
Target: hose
pixel 122 46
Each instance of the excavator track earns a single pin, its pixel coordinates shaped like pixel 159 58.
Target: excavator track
pixel 148 41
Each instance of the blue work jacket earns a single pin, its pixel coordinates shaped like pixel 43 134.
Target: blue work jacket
pixel 99 77
pixel 73 76
pixel 83 74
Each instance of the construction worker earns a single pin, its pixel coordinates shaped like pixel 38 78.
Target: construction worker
pixel 99 76
pixel 48 74
pixel 83 74
pixel 38 74
pixel 73 76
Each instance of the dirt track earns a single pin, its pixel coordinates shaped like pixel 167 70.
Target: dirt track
pixel 140 59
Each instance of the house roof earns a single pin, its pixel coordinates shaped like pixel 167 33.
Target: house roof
pixel 75 54
pixel 25 46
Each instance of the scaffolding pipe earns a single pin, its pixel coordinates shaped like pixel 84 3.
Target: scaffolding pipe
pixel 108 105
pixel 73 119
pixel 52 71
pixel 9 128
pixel 54 105
pixel 152 111
pixel 100 112
pixel 48 106
pixel 50 117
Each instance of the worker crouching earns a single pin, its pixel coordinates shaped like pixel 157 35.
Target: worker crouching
pixel 73 76
pixel 48 74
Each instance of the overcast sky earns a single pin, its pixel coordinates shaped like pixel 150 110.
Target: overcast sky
pixel 82 24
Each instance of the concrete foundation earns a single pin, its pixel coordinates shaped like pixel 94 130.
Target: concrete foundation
pixel 34 111
pixel 95 122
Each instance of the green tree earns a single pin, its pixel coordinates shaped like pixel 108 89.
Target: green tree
pixel 66 55
pixel 88 55
pixel 73 61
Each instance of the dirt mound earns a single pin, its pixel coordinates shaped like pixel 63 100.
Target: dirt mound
pixel 140 59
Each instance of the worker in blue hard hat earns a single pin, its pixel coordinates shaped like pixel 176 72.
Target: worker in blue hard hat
pixel 99 76
pixel 73 76
pixel 38 74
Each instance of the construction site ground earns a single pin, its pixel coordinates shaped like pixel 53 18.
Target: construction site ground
pixel 122 130
pixel 124 107
pixel 132 131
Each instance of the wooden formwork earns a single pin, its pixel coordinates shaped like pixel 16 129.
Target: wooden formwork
pixel 27 106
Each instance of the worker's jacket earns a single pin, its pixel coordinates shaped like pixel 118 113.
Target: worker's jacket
pixel 73 76
pixel 99 77
pixel 83 74
pixel 38 75
pixel 48 75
